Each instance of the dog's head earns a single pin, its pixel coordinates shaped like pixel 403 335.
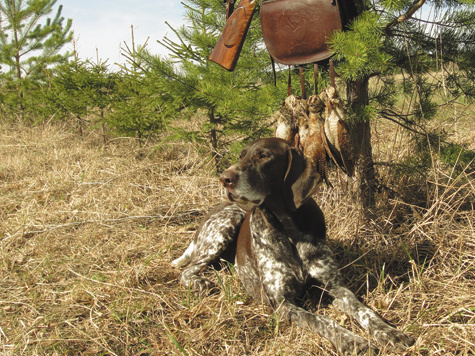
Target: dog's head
pixel 270 171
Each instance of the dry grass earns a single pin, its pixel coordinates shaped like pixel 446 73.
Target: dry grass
pixel 88 230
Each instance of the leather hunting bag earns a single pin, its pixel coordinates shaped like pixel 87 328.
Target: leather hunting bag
pixel 296 31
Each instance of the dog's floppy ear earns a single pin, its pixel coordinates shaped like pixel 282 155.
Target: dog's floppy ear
pixel 301 179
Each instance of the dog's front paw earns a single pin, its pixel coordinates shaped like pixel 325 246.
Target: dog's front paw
pixel 355 345
pixel 201 285
pixel 193 280
pixel 390 337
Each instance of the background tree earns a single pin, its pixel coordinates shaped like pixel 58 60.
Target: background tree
pixel 234 104
pixel 138 109
pixel 78 89
pixel 387 40
pixel 30 42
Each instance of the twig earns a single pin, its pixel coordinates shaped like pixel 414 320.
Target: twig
pixel 20 303
pixel 5 336
pixel 121 287
pixel 415 6
pixel 127 218
pixel 352 262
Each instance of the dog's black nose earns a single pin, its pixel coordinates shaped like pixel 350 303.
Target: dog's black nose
pixel 229 178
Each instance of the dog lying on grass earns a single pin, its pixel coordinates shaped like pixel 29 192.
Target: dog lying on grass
pixel 276 232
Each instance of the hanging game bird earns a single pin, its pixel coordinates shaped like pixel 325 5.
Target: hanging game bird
pixel 288 117
pixel 314 145
pixel 337 133
pixel 283 123
pixel 298 107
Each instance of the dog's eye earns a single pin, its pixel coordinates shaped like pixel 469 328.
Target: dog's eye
pixel 262 155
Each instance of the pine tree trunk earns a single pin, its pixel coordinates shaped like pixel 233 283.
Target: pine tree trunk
pixel 103 125
pixel 18 72
pixel 357 95
pixel 80 125
pixel 214 139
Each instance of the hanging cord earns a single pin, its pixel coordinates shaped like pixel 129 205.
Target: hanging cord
pixel 332 74
pixel 229 8
pixel 315 78
pixel 302 83
pixel 289 84
pixel 273 70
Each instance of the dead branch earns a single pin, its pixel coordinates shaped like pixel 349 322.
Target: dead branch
pixel 415 6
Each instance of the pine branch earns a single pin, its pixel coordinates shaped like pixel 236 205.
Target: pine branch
pixel 401 120
pixel 415 6
pixel 439 23
pixel 178 49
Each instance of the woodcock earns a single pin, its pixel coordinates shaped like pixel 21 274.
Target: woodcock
pixel 283 124
pixel 317 126
pixel 314 145
pixel 338 134
pixel 288 118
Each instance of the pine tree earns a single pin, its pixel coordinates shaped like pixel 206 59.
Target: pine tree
pixel 387 38
pixel 78 89
pixel 138 108
pixel 235 104
pixel 29 43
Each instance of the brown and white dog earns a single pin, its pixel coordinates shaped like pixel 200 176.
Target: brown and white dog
pixel 276 232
